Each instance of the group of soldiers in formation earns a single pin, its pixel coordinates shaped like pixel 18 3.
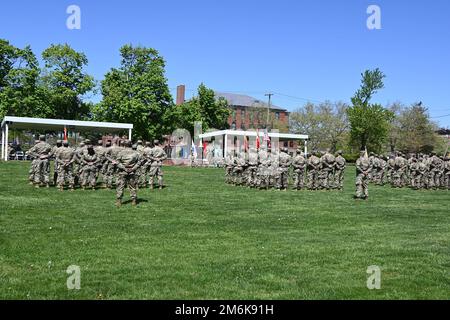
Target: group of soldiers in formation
pixel 265 169
pixel 119 164
pixel 417 171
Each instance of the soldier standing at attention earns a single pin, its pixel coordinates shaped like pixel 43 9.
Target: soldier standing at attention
pixel 42 152
pixel 391 168
pixel 313 170
pixel 328 162
pixel 111 155
pixel 447 172
pixel 372 165
pixel 100 152
pixel 362 175
pixel 77 163
pixel 128 162
pixel 146 163
pixel 158 156
pixel 339 171
pixel 33 168
pixel 299 165
pixel 55 151
pixel 139 147
pixel 284 163
pixel 89 161
pixel 252 168
pixel 65 159
pixel 228 167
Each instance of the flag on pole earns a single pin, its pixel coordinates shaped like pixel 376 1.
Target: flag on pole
pixel 65 134
pixel 258 143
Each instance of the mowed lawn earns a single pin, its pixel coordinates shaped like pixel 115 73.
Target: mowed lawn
pixel 202 239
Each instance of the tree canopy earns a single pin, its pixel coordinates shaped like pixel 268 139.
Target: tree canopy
pixel 137 92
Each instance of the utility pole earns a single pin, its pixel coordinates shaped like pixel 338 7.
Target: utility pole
pixel 268 109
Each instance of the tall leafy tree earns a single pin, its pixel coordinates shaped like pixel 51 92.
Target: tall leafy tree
pixel 20 90
pixel 66 81
pixel 205 107
pixel 369 123
pixel 137 92
pixel 326 124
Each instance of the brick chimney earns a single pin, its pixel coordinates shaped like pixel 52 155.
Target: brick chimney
pixel 181 92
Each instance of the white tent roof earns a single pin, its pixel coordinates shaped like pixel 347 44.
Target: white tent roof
pixel 58 124
pixel 282 136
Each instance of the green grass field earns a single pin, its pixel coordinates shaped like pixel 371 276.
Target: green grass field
pixel 202 239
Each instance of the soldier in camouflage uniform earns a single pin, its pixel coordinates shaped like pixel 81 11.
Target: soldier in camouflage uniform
pixel 111 155
pixel 414 167
pixel 252 168
pixel 77 166
pixel 65 159
pixel 263 166
pixel 390 168
pixel 299 166
pixel 42 153
pixel 363 168
pixel 33 168
pixel 313 171
pixel 421 173
pixel 339 171
pixel 400 171
pixel 142 181
pixel 372 157
pixel 238 169
pixel 100 151
pixel 435 171
pixel 89 162
pixel 55 151
pixel 158 155
pixel 128 162
pixel 229 167
pixel 328 162
pixel 284 163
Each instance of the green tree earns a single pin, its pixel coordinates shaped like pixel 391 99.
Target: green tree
pixel 66 81
pixel 212 112
pixel 20 90
pixel 369 123
pixel 137 92
pixel 325 124
pixel 417 131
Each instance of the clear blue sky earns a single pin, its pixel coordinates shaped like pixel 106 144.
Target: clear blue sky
pixel 305 49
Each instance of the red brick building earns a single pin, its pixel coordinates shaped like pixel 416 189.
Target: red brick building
pixel 250 113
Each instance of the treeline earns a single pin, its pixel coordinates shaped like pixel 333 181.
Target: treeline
pixel 134 92
pixel 364 125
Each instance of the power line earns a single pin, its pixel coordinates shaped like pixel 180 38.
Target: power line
pixel 444 116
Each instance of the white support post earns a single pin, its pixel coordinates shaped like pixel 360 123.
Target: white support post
pixel 3 143
pixel 6 142
pixel 129 134
pixel 306 148
pixel 225 149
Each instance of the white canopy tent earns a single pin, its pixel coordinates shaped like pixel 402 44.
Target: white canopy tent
pixel 227 134
pixel 57 125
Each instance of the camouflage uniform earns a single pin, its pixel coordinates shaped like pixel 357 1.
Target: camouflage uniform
pixel 100 151
pixel 33 168
pixel 390 169
pixel 328 162
pixel 140 173
pixel 400 171
pixel 111 172
pixel 228 168
pixel 77 165
pixel 435 171
pixel 284 163
pixel 299 166
pixel 447 173
pixel 252 168
pixel 89 161
pixel 55 151
pixel 42 153
pixel 420 180
pixel 263 168
pixel 65 159
pixel 363 168
pixel 313 171
pixel 128 162
pixel 339 171
pixel 158 155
